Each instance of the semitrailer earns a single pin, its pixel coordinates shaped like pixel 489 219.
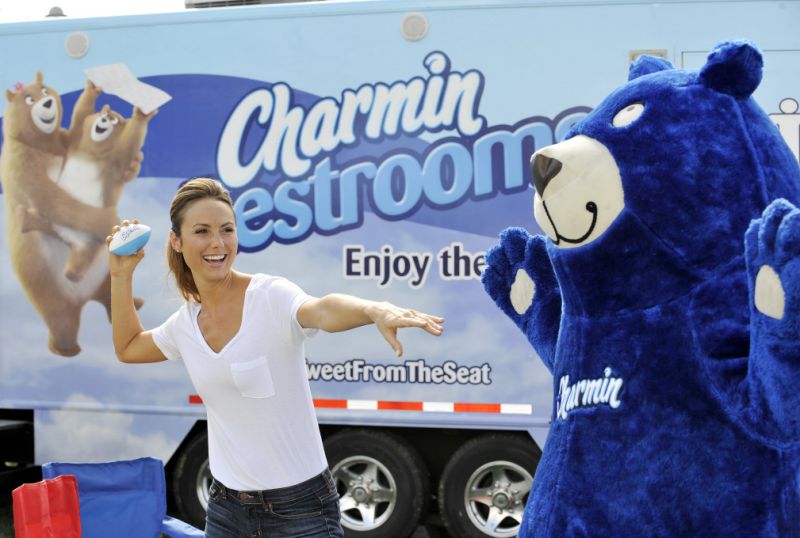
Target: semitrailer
pixel 375 148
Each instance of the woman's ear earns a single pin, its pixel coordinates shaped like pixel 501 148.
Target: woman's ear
pixel 175 241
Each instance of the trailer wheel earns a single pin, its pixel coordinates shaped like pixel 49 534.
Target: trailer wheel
pixel 485 485
pixel 191 480
pixel 382 481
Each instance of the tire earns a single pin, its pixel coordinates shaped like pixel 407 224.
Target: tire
pixel 191 479
pixel 485 485
pixel 382 482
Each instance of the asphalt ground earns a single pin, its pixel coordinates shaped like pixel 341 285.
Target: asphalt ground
pixel 6 518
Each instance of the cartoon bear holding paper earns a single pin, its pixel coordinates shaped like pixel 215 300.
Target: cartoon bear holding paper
pixel 33 156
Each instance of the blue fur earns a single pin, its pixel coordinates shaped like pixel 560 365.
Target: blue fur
pixel 706 438
pixel 644 65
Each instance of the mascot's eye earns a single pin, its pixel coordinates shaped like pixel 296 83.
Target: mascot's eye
pixel 29 100
pixel 628 115
pixel 114 121
pixel 44 91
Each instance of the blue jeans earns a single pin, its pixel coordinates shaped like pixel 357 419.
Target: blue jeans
pixel 309 509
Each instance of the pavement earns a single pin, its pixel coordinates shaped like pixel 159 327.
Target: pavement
pixel 6 520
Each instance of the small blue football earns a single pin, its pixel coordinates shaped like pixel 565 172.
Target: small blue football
pixel 129 239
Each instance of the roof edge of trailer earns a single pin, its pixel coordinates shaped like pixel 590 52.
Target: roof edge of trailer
pixel 320 8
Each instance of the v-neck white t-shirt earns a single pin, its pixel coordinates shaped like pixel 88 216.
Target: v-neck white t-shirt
pixel 262 429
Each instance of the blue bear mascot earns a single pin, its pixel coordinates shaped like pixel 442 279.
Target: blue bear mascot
pixel 665 300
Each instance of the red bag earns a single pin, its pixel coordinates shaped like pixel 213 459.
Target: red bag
pixel 47 509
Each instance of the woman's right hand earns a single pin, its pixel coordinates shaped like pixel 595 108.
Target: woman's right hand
pixel 123 265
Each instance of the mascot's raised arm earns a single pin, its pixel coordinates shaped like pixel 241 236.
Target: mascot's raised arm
pixel 665 299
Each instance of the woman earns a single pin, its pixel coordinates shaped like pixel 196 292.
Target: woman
pixel 241 339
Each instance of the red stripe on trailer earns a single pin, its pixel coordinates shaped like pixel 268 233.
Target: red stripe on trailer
pixel 400 406
pixel 476 408
pixel 330 404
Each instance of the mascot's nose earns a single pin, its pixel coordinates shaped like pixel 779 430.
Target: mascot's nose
pixel 48 103
pixel 544 169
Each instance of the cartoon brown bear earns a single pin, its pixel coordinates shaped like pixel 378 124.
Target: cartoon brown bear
pixel 31 161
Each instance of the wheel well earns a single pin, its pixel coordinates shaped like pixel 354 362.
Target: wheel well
pixel 198 428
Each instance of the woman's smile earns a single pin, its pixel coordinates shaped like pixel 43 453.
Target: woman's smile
pixel 217 260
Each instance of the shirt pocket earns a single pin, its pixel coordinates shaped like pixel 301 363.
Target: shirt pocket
pixel 253 378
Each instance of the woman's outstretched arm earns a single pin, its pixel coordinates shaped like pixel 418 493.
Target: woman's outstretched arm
pixel 338 312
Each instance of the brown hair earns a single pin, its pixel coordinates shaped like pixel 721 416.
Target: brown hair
pixel 193 190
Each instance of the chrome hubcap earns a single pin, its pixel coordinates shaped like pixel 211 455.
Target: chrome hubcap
pixel 202 484
pixel 495 498
pixel 367 492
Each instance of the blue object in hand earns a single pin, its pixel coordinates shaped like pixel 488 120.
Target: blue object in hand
pixel 129 239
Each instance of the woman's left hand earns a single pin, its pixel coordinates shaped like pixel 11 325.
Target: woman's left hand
pixel 388 318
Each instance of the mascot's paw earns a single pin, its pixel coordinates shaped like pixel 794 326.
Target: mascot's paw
pixel 509 278
pixel 772 246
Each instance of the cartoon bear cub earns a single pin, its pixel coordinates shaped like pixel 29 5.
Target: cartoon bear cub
pixel 32 157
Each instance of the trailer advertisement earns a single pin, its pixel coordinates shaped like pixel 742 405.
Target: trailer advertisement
pixel 360 160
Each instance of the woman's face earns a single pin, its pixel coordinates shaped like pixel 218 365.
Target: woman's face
pixel 208 239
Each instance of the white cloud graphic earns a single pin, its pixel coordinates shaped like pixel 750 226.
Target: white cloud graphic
pixel 90 436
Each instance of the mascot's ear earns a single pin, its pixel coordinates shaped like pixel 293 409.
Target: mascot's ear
pixel 644 65
pixel 9 96
pixel 733 67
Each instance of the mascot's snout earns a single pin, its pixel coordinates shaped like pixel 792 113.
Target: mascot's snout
pixel 578 190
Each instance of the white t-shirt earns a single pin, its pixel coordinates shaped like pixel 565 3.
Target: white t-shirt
pixel 262 429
